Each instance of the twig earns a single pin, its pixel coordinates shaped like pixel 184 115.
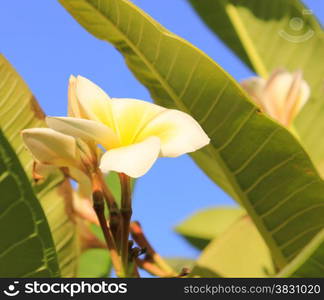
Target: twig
pixel 140 239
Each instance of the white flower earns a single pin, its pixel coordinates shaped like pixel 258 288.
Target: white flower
pixel 52 148
pixel 281 96
pixel 134 132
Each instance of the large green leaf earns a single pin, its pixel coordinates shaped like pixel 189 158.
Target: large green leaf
pixel 271 34
pixel 256 160
pixel 26 247
pixel 18 110
pixel 204 226
pixel 179 263
pixel 55 198
pixel 94 263
pixel 239 252
pixel 112 181
pixel 309 262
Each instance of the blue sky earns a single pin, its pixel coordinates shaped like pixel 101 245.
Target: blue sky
pixel 46 45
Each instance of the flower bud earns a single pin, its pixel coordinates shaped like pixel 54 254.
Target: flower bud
pixel 50 147
pixel 282 96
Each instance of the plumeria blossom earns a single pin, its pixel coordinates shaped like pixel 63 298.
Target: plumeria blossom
pixel 52 148
pixel 281 96
pixel 133 132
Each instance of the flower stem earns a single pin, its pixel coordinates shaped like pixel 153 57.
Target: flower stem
pixel 126 213
pixel 114 213
pixel 99 207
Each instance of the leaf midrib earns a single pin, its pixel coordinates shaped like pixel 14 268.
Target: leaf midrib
pixel 244 36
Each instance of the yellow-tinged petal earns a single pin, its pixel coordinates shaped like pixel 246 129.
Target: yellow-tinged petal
pixel 51 147
pixel 84 129
pixel 94 103
pixel 134 160
pixel 73 104
pixel 254 87
pixel 298 95
pixel 281 96
pixel 132 115
pixel 276 93
pixel 179 133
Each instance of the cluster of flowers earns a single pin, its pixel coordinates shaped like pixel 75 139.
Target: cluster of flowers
pixel 135 133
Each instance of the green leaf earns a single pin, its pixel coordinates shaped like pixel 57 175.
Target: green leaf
pixel 178 263
pixel 19 110
pixel 112 180
pixel 266 36
pixel 209 224
pixel 309 262
pixel 95 263
pixel 239 252
pixel 55 198
pixel 26 248
pixel 257 161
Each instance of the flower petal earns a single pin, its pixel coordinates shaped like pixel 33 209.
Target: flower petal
pixel 134 160
pixel 51 147
pixel 84 129
pixel 275 94
pixel 94 103
pixel 179 133
pixel 284 95
pixel 297 96
pixel 73 104
pixel 254 87
pixel 131 115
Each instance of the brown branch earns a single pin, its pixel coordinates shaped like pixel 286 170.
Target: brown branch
pixel 139 237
